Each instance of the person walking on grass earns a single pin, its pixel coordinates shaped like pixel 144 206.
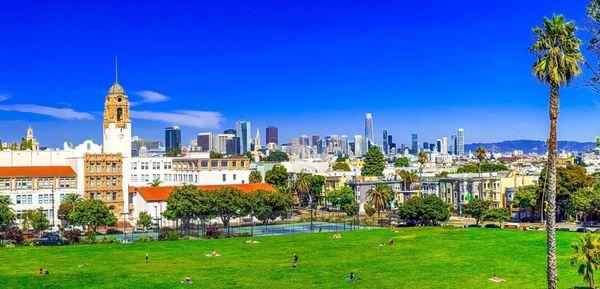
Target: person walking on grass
pixel 146 254
pixel 295 260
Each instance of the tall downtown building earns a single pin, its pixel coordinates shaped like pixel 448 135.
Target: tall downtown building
pixel 172 138
pixel 461 142
pixel 415 143
pixel 271 134
pixel 386 145
pixel 358 145
pixel 243 132
pixel 369 137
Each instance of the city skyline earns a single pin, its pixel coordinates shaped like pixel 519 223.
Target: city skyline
pixel 50 86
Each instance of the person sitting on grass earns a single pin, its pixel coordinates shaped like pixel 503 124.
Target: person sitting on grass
pixel 381 244
pixel 336 236
pixel 352 277
pixel 496 279
pixel 42 272
pixel 186 280
pixel 390 242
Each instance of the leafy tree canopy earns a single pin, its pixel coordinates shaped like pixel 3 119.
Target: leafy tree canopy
pixel 374 163
pixel 277 156
pixel 277 176
pixel 401 162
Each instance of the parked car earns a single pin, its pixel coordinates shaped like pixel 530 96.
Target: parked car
pixel 139 230
pixel 29 235
pixel 492 226
pixel 584 230
pixel 51 240
pixel 511 225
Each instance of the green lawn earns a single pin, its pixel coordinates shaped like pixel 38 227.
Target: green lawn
pixel 420 258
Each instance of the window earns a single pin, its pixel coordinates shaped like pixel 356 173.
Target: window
pixel 224 164
pixel 98 167
pixel 4 183
pixel 119 113
pixel 144 165
pixel 92 182
pixel 91 167
pixel 155 165
pixel 114 196
pixel 114 167
pixel 114 182
pixel 62 197
pixel 107 167
pixel 214 164
pixel 224 177
pixel 91 195
pixel 108 196
pixel 145 178
pixel 134 178
pixel 156 177
pixel 167 165
pixel 134 165
pixel 204 164
pixel 234 176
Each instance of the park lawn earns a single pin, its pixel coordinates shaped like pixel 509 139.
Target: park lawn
pixel 433 257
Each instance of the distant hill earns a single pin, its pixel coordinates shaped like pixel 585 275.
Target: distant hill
pixel 529 146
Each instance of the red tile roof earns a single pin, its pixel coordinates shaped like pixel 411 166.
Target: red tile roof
pixel 157 194
pixel 37 171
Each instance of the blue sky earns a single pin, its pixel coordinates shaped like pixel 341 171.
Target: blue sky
pixel 308 67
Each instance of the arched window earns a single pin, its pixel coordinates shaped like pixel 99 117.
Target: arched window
pixel 119 114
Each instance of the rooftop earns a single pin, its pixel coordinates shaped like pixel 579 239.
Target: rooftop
pixel 157 194
pixel 37 171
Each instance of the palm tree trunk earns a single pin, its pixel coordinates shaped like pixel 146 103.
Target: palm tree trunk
pixel 592 285
pixel 552 274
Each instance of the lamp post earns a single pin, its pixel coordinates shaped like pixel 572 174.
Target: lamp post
pixel 312 230
pixel 53 210
pixel 156 218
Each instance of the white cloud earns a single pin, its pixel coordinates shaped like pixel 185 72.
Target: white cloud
pixel 61 113
pixel 4 97
pixel 149 96
pixel 192 118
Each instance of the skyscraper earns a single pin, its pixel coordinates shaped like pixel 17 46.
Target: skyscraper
pixel 358 143
pixel 461 142
pixel 244 133
pixel 272 134
pixel 415 143
pixel 303 141
pixel 256 143
pixel 369 128
pixel 229 131
pixel 204 141
pixel 453 145
pixel 232 146
pixel 444 146
pixel 386 145
pixel 172 138
pixel 344 146
pixel 315 140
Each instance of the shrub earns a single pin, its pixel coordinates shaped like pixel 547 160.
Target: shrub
pixel 370 210
pixel 12 234
pixel 168 234
pixel 89 238
pixel 107 240
pixel 213 232
pixel 72 235
pixel 28 242
pixel 145 239
pixel 244 234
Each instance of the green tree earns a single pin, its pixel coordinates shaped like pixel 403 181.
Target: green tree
pixel 316 183
pixel 557 59
pixel 39 221
pixel 302 188
pixel 174 152
pixel 374 163
pixel 277 176
pixel 484 167
pixel 380 197
pixel 183 204
pixel 428 210
pixel 587 202
pixel 277 156
pixel 497 215
pixel 26 219
pixel 569 179
pixel 229 203
pixel 255 177
pixel 476 208
pixel 144 220
pixel 341 167
pixel 587 256
pixel 92 214
pixel 351 209
pixel 401 162
pixel 266 205
pixel 215 155
pixel 528 198
pixel 341 197
pixel 7 215
pixel 370 210
pixel 26 144
pixel 66 206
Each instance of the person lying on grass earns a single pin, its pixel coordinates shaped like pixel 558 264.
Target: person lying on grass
pixel 252 242
pixel 336 236
pixel 42 272
pixel 186 280
pixel 213 254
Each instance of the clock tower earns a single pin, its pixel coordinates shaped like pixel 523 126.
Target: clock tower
pixel 117 122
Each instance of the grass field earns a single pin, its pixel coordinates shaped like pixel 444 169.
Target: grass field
pixel 420 258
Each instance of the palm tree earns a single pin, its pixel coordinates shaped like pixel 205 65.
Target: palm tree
pixel 481 155
pixel 422 156
pixel 408 178
pixel 380 197
pixel 255 177
pixel 155 183
pixel 302 187
pixel 587 255
pixel 557 59
pixel 71 198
